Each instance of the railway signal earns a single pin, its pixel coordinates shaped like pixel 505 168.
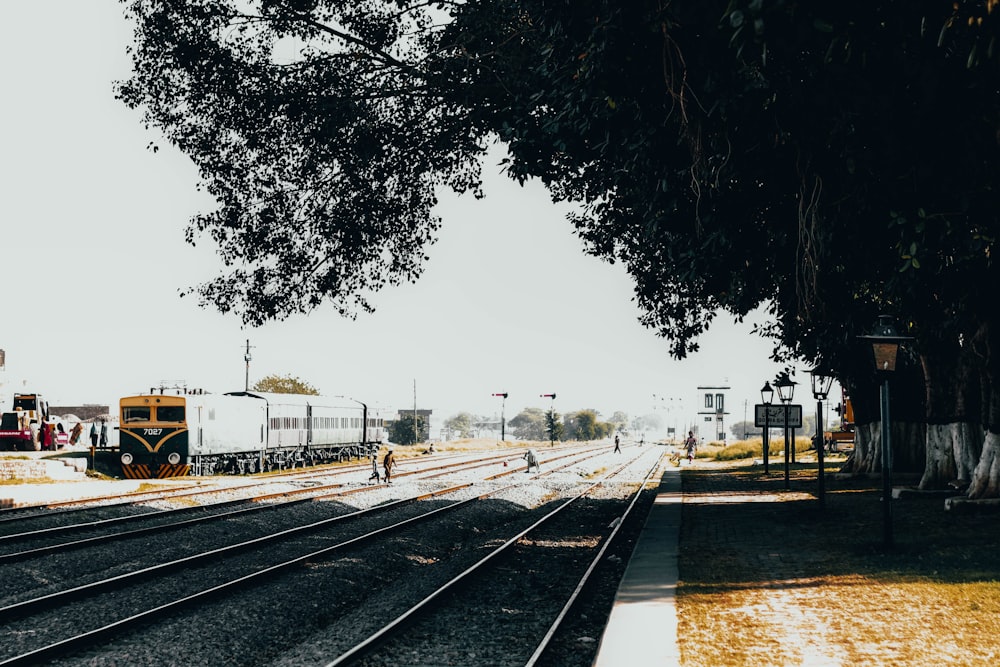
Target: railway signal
pixel 503 419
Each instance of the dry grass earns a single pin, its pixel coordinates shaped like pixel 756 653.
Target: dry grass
pixel 767 578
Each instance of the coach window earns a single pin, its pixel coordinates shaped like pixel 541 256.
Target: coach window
pixel 170 413
pixel 135 413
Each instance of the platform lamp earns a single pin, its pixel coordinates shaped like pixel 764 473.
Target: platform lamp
pixel 821 382
pixel 766 396
pixel 885 341
pixel 786 390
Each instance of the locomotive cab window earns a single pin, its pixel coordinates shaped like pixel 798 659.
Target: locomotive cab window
pixel 170 413
pixel 135 413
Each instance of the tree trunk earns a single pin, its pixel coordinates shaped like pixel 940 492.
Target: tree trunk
pixel 907 447
pixel 954 438
pixel 986 477
pixel 985 481
pixel 952 453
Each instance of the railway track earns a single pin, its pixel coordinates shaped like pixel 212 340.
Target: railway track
pixel 147 597
pixel 66 512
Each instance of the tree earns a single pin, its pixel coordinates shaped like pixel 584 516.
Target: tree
pixel 718 179
pixel 553 426
pixel 284 384
pixel 743 429
pixel 401 430
pixel 460 424
pixel 529 424
pixel 619 421
pixel 324 161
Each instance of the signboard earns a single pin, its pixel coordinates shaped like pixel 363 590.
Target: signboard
pixel 775 415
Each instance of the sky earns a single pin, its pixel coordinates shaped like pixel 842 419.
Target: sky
pixel 94 259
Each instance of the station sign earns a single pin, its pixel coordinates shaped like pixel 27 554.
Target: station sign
pixel 774 415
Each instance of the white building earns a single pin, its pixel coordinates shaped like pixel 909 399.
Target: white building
pixel 712 412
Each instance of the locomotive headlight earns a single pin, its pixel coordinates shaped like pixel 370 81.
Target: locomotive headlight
pixel 174 458
pixel 126 458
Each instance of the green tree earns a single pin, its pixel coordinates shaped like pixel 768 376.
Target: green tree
pixel 529 424
pixel 460 424
pixel 718 180
pixel 553 426
pixel 284 384
pixel 581 425
pixel 324 158
pixel 401 430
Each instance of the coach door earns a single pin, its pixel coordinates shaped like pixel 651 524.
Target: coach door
pixel 309 425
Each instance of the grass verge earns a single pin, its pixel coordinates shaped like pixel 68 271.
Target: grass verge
pixel 770 578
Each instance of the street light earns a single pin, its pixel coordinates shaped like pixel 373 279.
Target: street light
pixel 503 420
pixel 821 381
pixel 786 390
pixel 766 396
pixel 885 346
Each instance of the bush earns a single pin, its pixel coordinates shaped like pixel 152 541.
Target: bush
pixel 754 447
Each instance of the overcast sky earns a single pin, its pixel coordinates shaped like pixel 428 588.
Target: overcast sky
pixel 94 257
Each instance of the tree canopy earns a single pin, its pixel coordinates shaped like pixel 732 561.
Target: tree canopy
pixel 284 384
pixel 829 161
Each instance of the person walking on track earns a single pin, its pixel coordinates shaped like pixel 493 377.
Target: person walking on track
pixel 388 463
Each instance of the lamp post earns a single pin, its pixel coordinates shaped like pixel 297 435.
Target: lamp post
pixel 503 419
pixel 885 345
pixel 766 396
pixel 786 390
pixel 821 381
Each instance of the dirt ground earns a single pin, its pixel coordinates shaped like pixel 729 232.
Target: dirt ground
pixel 767 577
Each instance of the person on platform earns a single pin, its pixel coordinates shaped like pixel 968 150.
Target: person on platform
pixel 690 445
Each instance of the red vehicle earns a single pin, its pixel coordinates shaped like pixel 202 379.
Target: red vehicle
pixel 15 435
pixel 15 426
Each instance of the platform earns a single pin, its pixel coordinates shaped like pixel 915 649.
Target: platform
pixel 642 627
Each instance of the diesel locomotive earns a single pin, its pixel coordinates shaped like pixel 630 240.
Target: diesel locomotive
pixel 163 435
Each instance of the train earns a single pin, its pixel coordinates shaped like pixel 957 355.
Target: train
pixel 165 435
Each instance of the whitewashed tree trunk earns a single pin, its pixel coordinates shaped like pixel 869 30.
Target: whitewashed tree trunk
pixel 952 452
pixel 867 455
pixel 986 476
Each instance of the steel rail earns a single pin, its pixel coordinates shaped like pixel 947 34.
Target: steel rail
pixel 543 645
pixel 67 645
pixel 368 644
pixel 149 530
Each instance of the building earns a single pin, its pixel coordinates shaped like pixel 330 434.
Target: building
pixel 712 412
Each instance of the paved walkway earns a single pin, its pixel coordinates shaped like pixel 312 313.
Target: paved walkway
pixel 645 607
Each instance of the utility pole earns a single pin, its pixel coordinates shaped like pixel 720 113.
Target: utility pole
pixel 416 438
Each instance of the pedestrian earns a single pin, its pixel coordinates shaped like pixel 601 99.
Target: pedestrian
pixel 374 476
pixel 690 444
pixel 36 442
pixel 74 435
pixel 104 434
pixel 44 436
pixel 93 434
pixel 532 460
pixel 388 463
pixel 618 449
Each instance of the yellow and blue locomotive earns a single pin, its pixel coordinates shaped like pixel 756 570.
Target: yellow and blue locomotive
pixel 163 435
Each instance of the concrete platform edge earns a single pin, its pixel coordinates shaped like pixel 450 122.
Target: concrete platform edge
pixel 642 627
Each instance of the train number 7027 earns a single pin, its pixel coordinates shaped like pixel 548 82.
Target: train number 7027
pixel 152 431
